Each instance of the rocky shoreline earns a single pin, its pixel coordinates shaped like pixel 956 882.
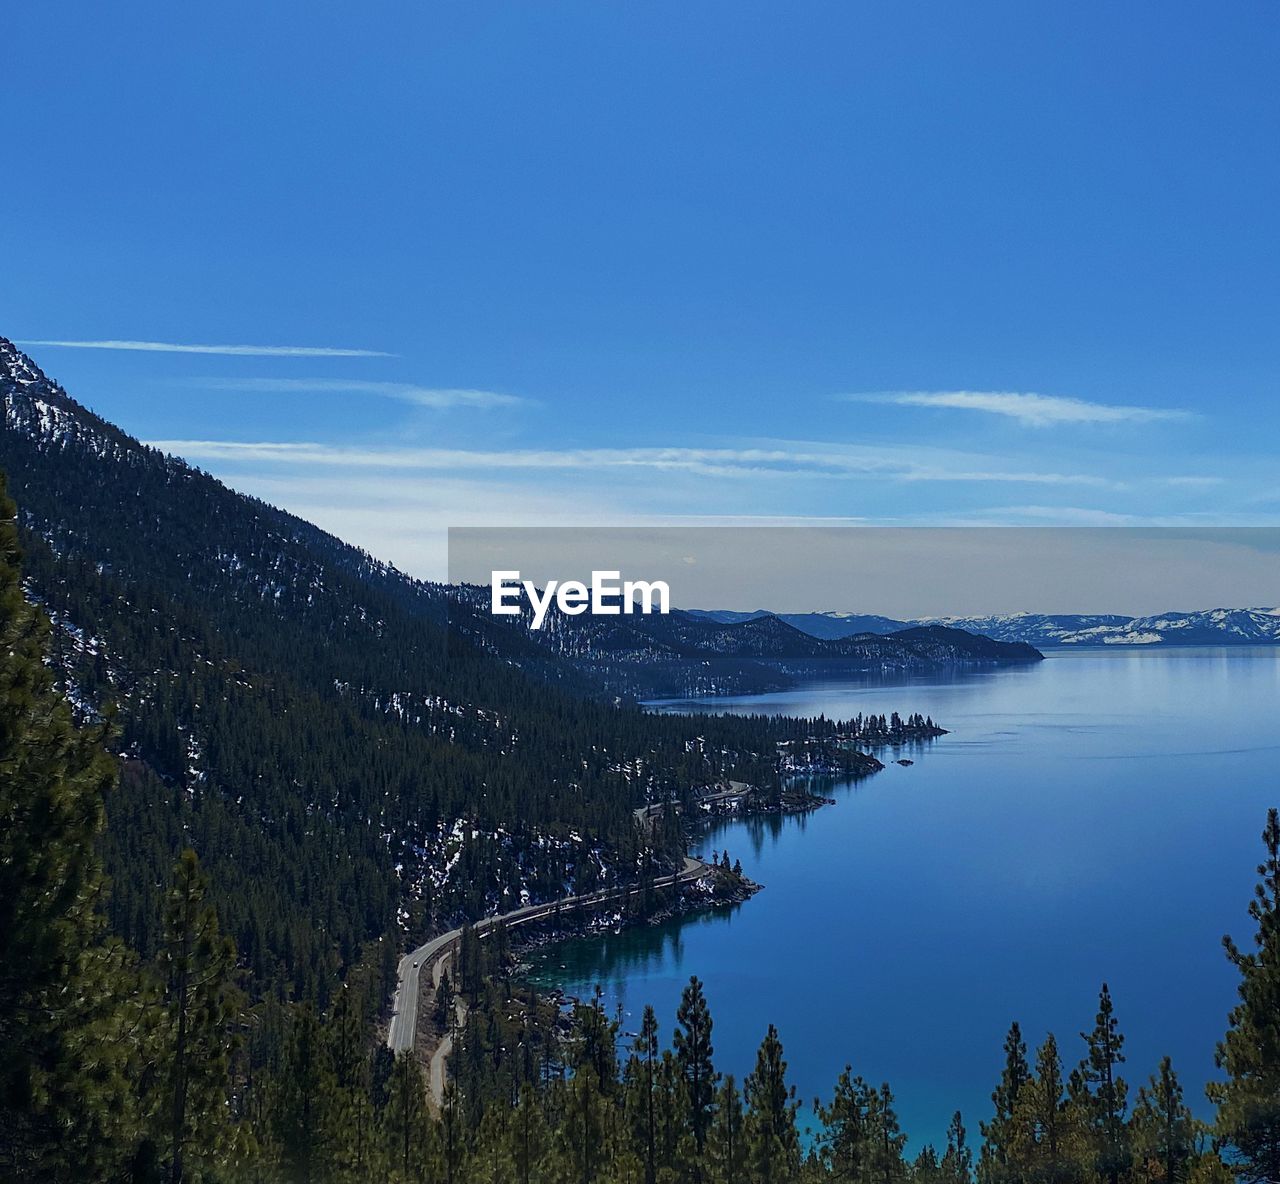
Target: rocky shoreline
pixel 722 889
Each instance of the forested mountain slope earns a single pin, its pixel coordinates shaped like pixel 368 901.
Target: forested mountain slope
pixel 293 710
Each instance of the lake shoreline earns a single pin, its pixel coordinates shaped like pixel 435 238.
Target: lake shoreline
pixel 733 888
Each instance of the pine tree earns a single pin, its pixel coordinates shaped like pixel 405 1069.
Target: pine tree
pixel 453 1145
pixel 1249 1100
pixel 1208 1168
pixel 585 1124
pixel 925 1168
pixel 726 1142
pixel 772 1138
pixel 352 1113
pixel 66 1105
pixel 598 1045
pixel 353 1121
pixel 999 1161
pixel 641 1094
pixel 1163 1127
pixel 693 1051
pixel 404 1119
pixel 957 1160
pixel 1105 1104
pixel 529 1136
pixel 589 1110
pixel 490 1162
pixel 306 1091
pixel 442 1012
pixel 844 1145
pixel 887 1140
pixel 675 1141
pixel 1043 1120
pixel 203 1004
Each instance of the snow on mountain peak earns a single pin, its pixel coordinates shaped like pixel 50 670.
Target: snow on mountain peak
pixel 16 367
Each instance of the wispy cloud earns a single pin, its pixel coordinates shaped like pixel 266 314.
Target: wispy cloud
pixel 1058 516
pixel 397 500
pixel 1192 482
pixel 406 392
pixel 1211 521
pixel 798 460
pixel 1030 409
pixel 237 351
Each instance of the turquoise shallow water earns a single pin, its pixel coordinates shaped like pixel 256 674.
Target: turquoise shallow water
pixel 1096 816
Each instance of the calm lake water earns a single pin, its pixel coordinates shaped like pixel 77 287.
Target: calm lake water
pixel 1096 816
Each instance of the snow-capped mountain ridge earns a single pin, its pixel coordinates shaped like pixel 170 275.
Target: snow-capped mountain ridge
pixel 1213 626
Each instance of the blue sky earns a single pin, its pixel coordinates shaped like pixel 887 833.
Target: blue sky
pixel 663 262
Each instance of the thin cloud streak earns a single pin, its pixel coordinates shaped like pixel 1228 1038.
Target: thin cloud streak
pixel 235 351
pixel 713 462
pixel 438 398
pixel 1061 516
pixel 1072 516
pixel 1029 409
pixel 1192 482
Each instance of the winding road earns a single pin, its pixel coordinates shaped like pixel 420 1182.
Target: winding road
pixel 404 1013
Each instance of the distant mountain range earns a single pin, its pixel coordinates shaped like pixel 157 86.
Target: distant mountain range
pixel 1217 626
pixel 826 625
pixel 689 654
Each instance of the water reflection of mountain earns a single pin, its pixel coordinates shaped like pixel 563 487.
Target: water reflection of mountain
pixel 613 957
pixel 869 681
pixel 762 828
